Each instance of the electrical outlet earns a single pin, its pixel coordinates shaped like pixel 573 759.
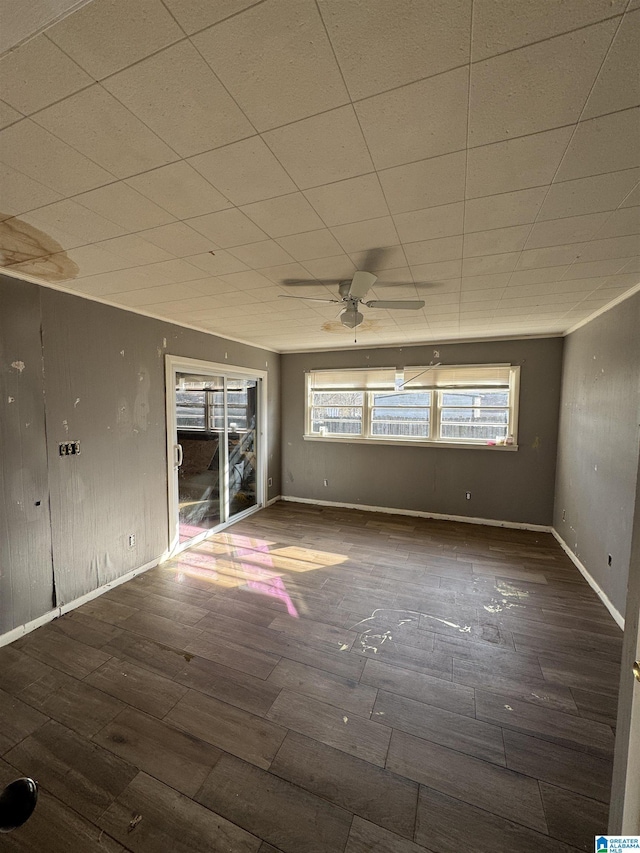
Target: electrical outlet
pixel 467 495
pixel 326 482
pixel 270 482
pixel 69 448
pixel 132 540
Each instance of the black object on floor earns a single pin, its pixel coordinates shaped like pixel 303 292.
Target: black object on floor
pixel 17 802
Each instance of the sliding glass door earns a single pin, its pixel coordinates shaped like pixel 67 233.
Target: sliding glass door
pixel 215 434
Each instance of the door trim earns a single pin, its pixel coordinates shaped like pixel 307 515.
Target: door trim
pixel 175 364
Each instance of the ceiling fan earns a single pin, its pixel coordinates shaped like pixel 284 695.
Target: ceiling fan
pixel 352 294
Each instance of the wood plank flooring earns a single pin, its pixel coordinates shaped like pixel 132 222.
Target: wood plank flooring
pixel 317 680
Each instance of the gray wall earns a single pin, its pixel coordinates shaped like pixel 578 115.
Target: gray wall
pixel 104 386
pixel 598 445
pixel 508 486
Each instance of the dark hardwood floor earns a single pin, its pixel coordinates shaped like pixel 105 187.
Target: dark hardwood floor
pixel 316 680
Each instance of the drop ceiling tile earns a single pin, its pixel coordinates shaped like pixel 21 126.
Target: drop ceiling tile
pixel 99 126
pixel 538 276
pixel 20 193
pixel 588 195
pixel 70 224
pixel 322 149
pixel 157 295
pixel 276 61
pixel 178 239
pixel 174 271
pixel 632 265
pixel 249 280
pixel 135 250
pixel 501 25
pixel 284 272
pixel 412 40
pixel 443 221
pixel 485 282
pixel 38 73
pixel 372 234
pixel 190 111
pixel 310 245
pixel 604 144
pixel 613 247
pixel 487 297
pixel 228 228
pixel 217 263
pixel 107 35
pixel 530 161
pixel 244 171
pixel 349 201
pixel 496 241
pixel 536 88
pixel 618 83
pixel 503 210
pixel 632 199
pixel 8 115
pixel 194 15
pixel 437 272
pixel 594 269
pixel 399 126
pixel 573 229
pixel 375 260
pixel 262 254
pixel 427 183
pixel 287 214
pixel 622 222
pixel 179 189
pixel 550 257
pixel 117 281
pixel 32 150
pixel 489 264
pixel 331 269
pixel 124 206
pixel 624 281
pixel 432 251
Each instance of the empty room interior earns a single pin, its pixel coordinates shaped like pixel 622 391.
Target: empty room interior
pixel 319 425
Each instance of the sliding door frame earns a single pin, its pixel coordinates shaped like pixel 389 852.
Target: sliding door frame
pixel 175 364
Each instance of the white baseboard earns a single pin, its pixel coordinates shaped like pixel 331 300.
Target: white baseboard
pixel 21 630
pixel 272 501
pixel 604 598
pixel 490 522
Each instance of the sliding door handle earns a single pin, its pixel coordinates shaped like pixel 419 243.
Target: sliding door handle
pixel 636 669
pixel 178 455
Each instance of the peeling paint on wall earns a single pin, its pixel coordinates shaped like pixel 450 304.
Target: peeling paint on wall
pixel 18 365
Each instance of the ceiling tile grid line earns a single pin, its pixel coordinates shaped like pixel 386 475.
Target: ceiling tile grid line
pixel 574 131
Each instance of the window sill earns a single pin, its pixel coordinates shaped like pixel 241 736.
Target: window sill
pixel 458 445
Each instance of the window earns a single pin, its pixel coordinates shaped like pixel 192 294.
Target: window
pixel 448 405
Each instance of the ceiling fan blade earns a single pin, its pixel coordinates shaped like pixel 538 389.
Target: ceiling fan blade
pixel 411 304
pixel 307 282
pixel 308 298
pixel 361 284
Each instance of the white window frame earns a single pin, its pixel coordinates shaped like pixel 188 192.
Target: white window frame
pixel 313 381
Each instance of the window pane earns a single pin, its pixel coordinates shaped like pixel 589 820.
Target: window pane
pixel 412 423
pixel 402 398
pixel 474 423
pixel 190 409
pixel 338 398
pixel 336 420
pixel 478 397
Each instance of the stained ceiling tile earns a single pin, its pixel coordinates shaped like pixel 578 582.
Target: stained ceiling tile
pixel 618 83
pixel 105 36
pixel 228 228
pixel 244 171
pixel 431 251
pixel 442 221
pixel 412 40
pixel 312 244
pixel 179 189
pixel 536 88
pixel 588 195
pixel 573 229
pixel 123 205
pixel 194 15
pixel 99 126
pixel 34 151
pixel 263 254
pixel 503 210
pixel 20 193
pixel 287 214
pixel 496 241
pixel 605 144
pixel 38 73
pixel 530 161
pixel 349 201
pixel 178 239
pixel 191 111
pixel 372 234
pixel 400 127
pixel 322 149
pixel 501 25
pixel 427 183
pixel 276 61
